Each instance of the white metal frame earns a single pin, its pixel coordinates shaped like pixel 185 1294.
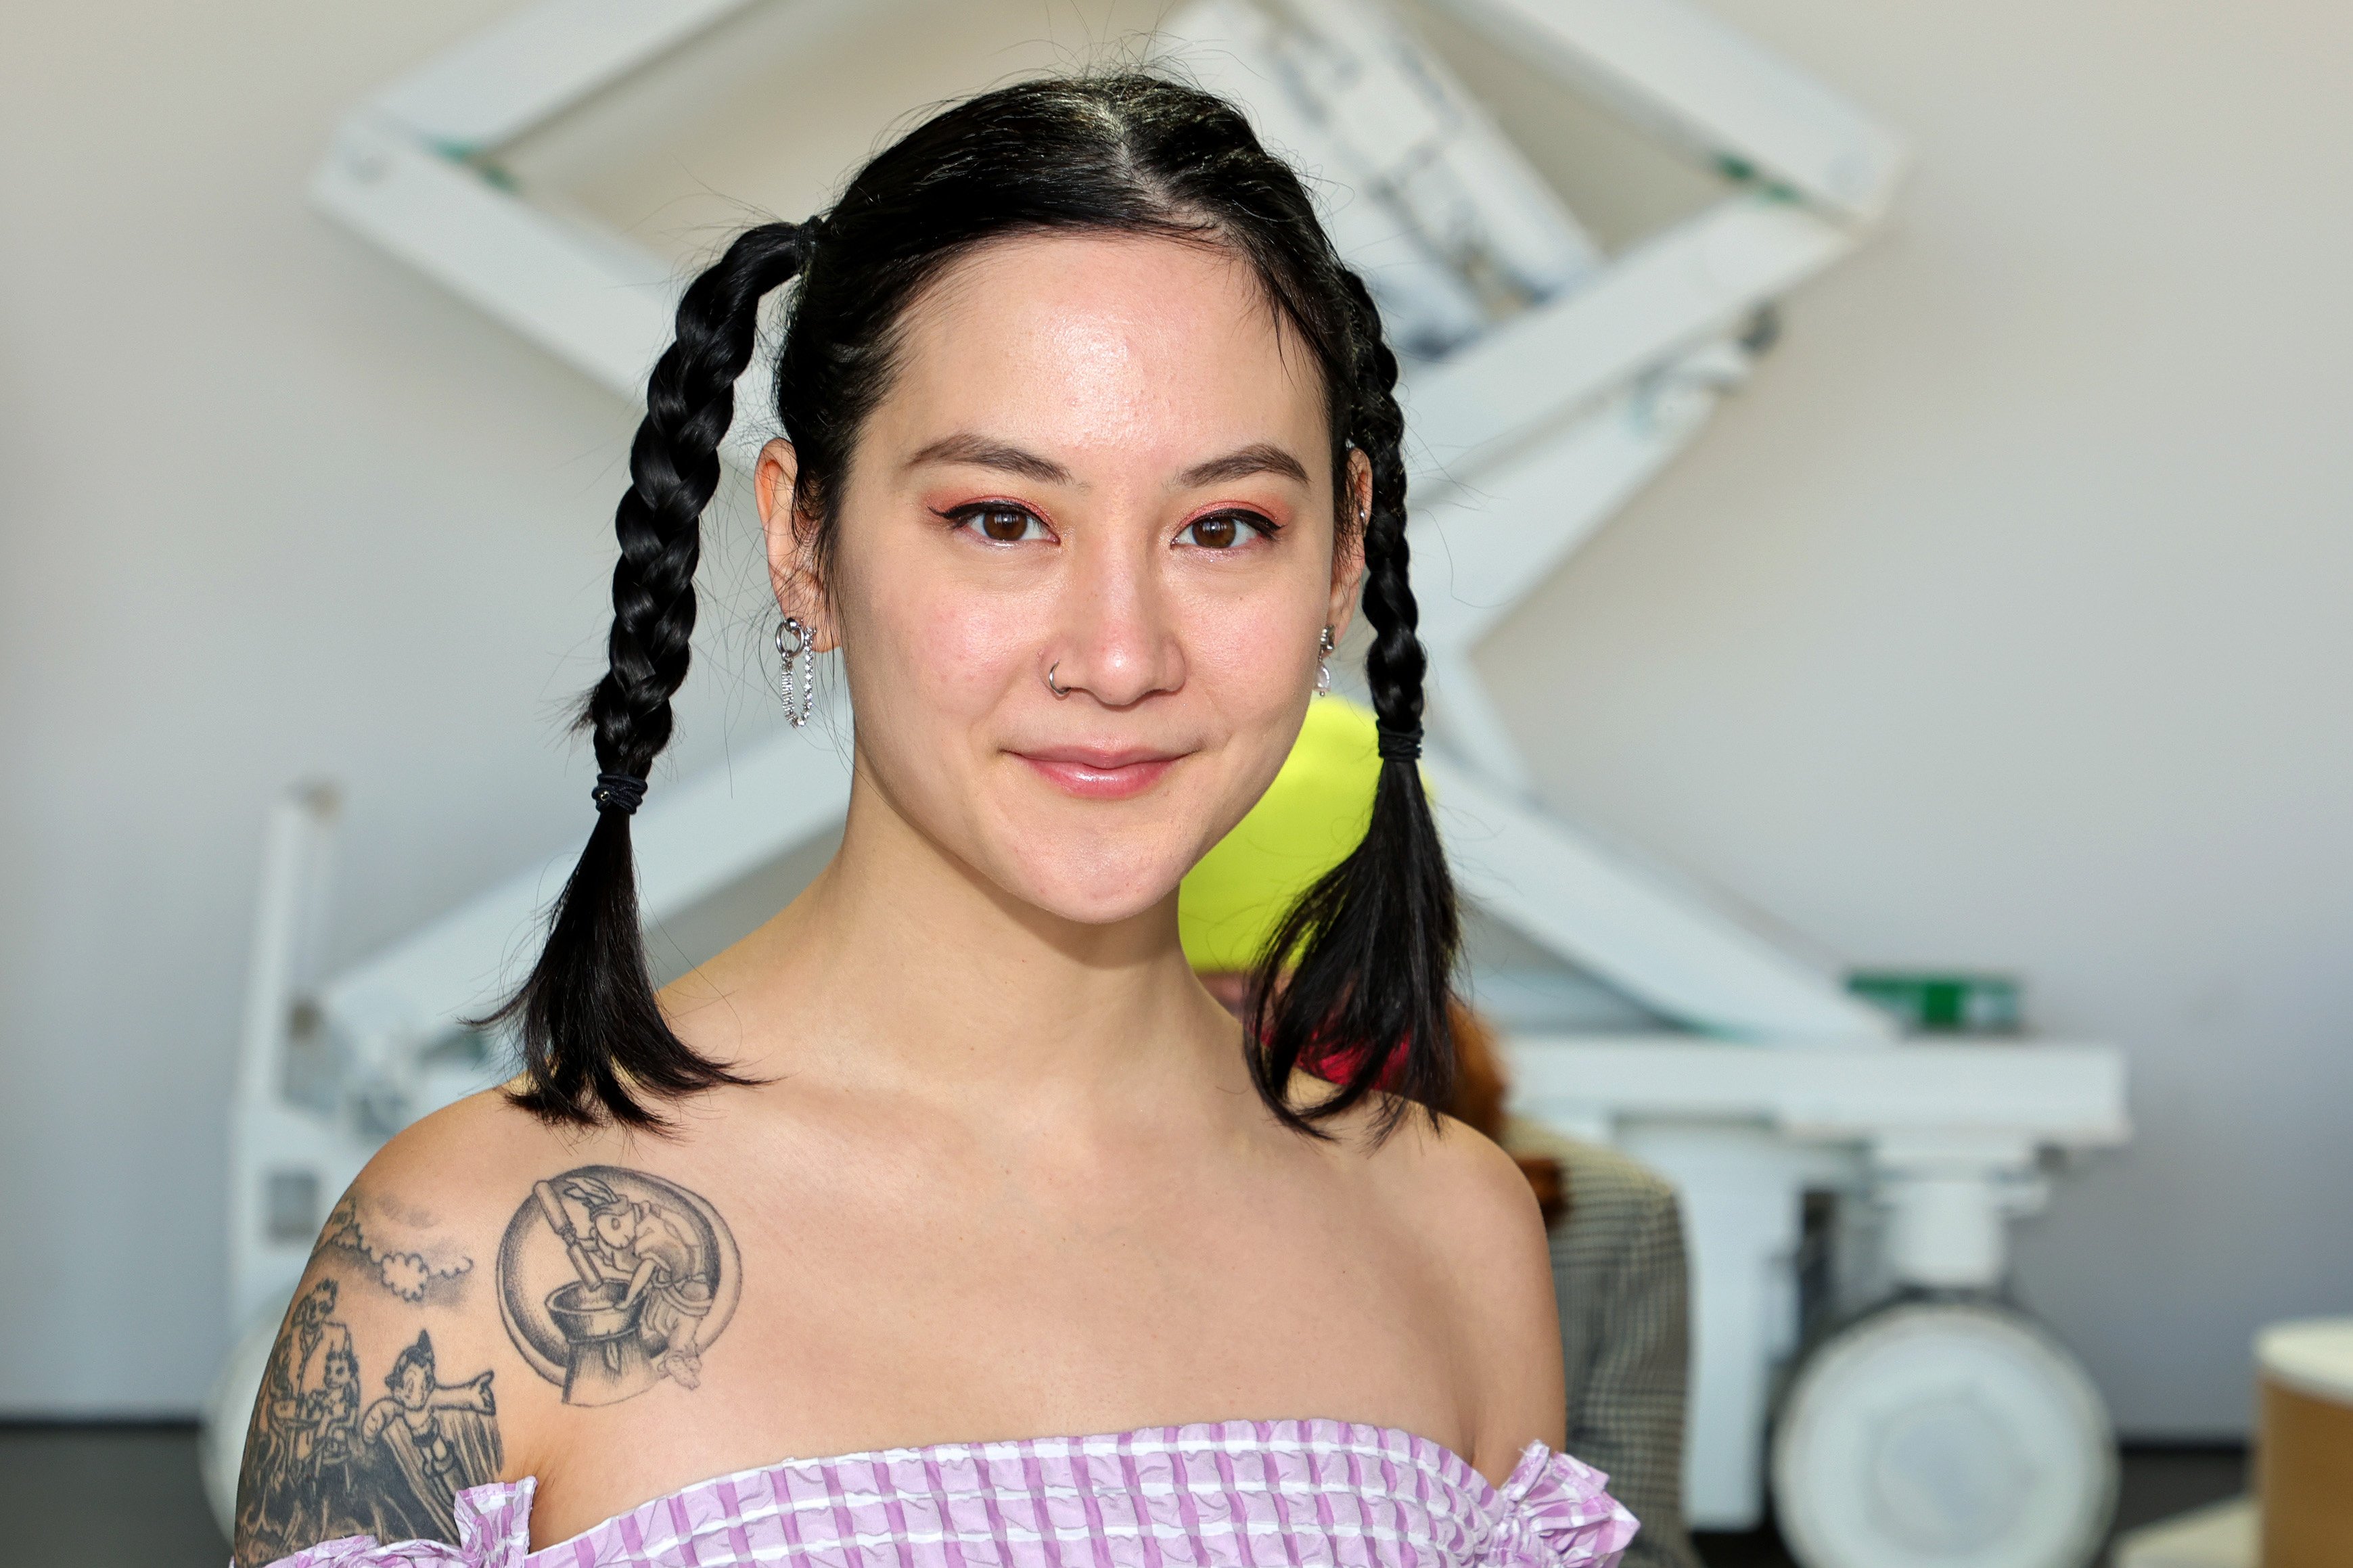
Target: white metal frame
pixel 1946 1140
pixel 1527 441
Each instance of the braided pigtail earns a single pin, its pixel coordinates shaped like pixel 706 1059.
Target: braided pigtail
pixel 1355 986
pixel 1357 979
pixel 593 1038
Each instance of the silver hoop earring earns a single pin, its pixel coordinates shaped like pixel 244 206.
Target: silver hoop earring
pixel 796 647
pixel 1057 690
pixel 1325 649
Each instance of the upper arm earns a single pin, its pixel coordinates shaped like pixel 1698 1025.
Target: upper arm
pixel 1482 1218
pixel 396 1306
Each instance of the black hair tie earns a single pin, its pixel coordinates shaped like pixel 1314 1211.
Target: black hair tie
pixel 1398 745
pixel 618 791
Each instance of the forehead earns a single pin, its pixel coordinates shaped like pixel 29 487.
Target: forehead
pixel 1120 348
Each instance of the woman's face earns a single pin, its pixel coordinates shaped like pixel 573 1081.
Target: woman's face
pixel 1102 459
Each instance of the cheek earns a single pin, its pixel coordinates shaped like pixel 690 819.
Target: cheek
pixel 1252 653
pixel 939 651
pixel 1250 666
pixel 974 647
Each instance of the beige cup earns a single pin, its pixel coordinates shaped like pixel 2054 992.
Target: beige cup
pixel 2304 1445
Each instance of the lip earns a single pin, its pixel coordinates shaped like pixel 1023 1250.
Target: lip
pixel 1091 772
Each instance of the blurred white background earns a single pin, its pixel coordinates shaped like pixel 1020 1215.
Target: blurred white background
pixel 2001 623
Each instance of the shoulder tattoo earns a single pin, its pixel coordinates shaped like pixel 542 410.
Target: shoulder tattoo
pixel 399 1247
pixel 331 1453
pixel 611 1280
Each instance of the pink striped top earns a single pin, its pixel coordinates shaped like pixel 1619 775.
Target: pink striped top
pixel 1234 1494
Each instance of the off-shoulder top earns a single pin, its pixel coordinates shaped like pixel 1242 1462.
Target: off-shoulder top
pixel 1233 1494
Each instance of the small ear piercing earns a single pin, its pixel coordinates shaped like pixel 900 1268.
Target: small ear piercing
pixel 793 643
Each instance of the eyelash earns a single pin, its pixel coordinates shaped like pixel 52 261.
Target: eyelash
pixel 1259 523
pixel 967 515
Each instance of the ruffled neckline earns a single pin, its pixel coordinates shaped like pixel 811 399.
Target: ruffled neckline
pixel 1551 1512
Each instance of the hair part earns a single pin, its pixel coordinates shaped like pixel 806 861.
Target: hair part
pixel 1363 966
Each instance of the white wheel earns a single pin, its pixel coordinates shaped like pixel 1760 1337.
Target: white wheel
pixel 1943 1436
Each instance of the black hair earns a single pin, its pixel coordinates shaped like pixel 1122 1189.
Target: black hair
pixel 1359 973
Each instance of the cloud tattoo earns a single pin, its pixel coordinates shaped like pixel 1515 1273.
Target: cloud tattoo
pixel 406 1273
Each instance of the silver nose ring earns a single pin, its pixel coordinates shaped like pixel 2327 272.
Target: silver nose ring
pixel 1057 690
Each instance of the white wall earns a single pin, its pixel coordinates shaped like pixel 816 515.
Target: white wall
pixel 273 507
pixel 2003 623
pixel 2008 621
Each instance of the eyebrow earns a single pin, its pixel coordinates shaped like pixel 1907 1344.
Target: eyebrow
pixel 979 451
pixel 1261 458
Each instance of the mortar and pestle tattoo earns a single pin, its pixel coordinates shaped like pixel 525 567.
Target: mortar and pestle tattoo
pixel 611 1280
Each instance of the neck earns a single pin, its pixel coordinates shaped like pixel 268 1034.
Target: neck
pixel 903 969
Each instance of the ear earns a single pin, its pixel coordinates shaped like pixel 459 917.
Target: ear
pixel 1348 545
pixel 790 533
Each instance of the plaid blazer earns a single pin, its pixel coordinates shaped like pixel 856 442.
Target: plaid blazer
pixel 1618 1271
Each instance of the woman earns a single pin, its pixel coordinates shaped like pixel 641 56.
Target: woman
pixel 1088 443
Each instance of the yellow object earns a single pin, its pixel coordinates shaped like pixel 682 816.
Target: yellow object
pixel 1305 823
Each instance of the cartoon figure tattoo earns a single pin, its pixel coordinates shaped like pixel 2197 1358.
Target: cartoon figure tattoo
pixel 318 1467
pixel 611 1280
pixel 277 1490
pixel 441 1438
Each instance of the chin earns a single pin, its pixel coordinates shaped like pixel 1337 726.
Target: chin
pixel 1099 885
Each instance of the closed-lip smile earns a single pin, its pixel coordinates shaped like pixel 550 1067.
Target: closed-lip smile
pixel 1101 772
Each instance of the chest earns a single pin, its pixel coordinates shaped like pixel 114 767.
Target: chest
pixel 883 1307
pixel 1006 1299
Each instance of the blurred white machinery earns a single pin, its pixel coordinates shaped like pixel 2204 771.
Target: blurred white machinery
pixel 1547 383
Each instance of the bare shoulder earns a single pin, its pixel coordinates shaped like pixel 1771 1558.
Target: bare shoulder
pixel 464 1159
pixel 1465 1204
pixel 391 1387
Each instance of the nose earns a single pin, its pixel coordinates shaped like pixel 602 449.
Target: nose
pixel 1115 631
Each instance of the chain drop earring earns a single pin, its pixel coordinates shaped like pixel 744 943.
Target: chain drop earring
pixel 793 644
pixel 1325 649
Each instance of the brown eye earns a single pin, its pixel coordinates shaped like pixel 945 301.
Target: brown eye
pixel 1224 530
pixel 1002 524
